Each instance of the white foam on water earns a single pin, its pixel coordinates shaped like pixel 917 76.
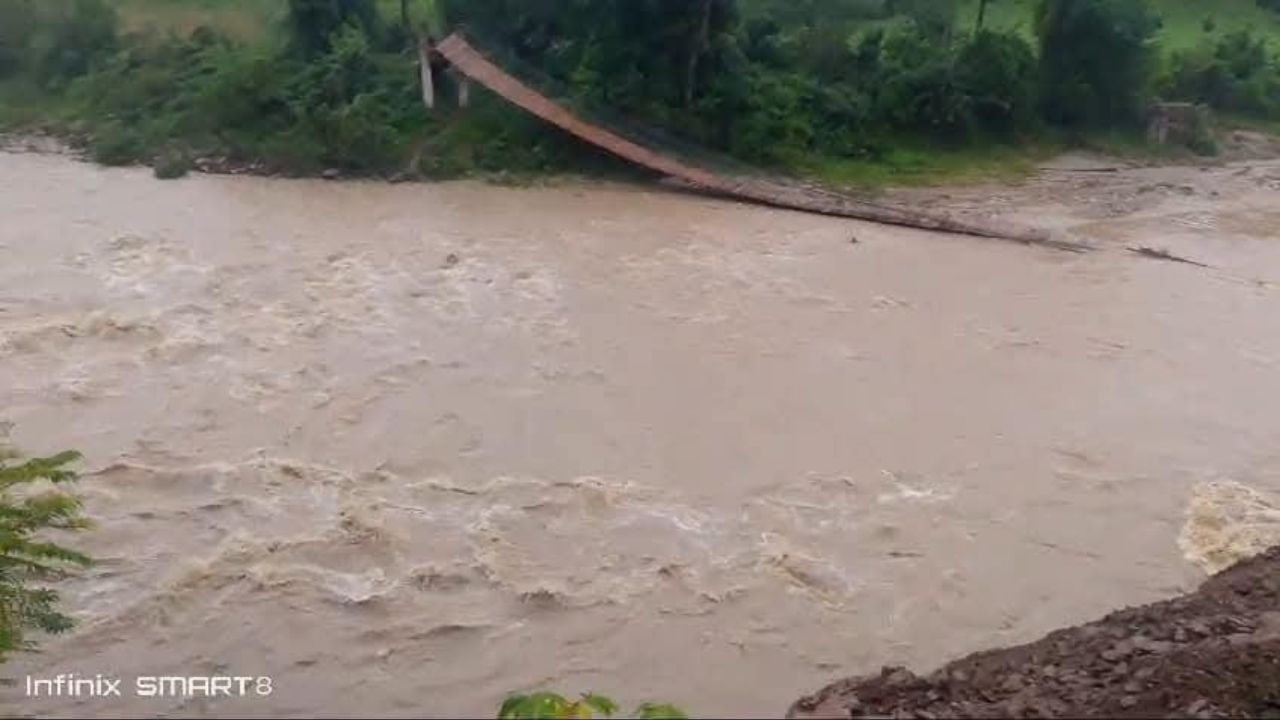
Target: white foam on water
pixel 1227 522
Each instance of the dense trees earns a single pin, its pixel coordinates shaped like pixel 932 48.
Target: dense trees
pixel 770 81
pixel 1095 59
pixel 313 23
pixel 1236 73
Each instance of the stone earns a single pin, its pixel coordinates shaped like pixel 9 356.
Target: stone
pixel 1013 683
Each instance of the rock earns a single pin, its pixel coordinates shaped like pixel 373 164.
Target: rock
pixel 451 260
pixel 1128 701
pixel 331 174
pixel 1118 651
pixel 896 676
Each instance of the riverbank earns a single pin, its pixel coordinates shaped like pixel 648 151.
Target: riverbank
pixel 1213 653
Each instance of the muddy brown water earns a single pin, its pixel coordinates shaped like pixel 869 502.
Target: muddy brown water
pixel 405 449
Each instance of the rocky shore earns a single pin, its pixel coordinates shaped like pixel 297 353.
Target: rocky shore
pixel 1211 653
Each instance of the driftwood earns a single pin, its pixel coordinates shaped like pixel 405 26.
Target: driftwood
pixel 1110 169
pixel 466 60
pixel 1158 254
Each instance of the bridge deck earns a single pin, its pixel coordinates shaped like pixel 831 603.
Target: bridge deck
pixel 471 63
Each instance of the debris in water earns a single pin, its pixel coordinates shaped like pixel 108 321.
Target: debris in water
pixel 1158 254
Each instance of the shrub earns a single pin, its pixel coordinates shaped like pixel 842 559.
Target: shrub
pixel 117 145
pixel 770 124
pixel 25 558
pixel 312 24
pixel 1094 60
pixel 918 88
pixel 172 165
pixel 356 107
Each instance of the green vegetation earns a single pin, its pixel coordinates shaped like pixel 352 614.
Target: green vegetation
pixel 552 705
pixel 1182 22
pixel 27 511
pixel 861 92
pixel 1095 60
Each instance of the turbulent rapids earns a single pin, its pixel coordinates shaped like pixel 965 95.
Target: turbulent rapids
pixel 405 449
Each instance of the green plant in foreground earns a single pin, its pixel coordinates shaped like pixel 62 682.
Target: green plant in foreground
pixel 25 512
pixel 552 705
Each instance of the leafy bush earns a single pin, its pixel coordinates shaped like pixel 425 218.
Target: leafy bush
pixel 360 107
pixel 552 705
pixel 771 124
pixel 25 558
pixel 117 144
pixel 313 24
pixel 1094 60
pixel 172 165
pixel 918 87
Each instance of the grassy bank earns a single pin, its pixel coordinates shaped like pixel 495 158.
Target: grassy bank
pixel 909 164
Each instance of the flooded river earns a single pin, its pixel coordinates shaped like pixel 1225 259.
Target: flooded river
pixel 406 448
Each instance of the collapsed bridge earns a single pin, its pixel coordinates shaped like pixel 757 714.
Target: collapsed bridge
pixel 465 59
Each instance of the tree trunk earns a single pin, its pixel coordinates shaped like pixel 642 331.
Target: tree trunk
pixel 982 14
pixel 404 13
pixel 426 73
pixel 697 46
